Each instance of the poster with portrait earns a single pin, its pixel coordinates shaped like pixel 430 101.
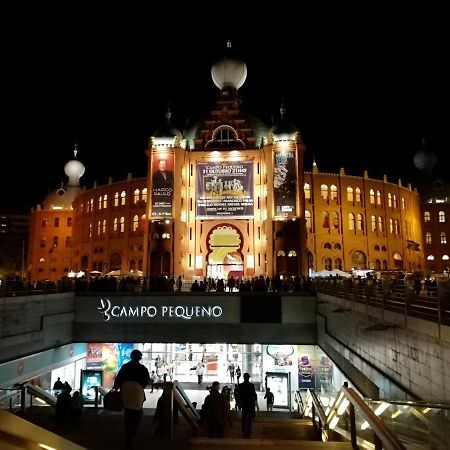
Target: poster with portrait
pixel 307 367
pixel 94 356
pixel 285 184
pixel 224 189
pixel 162 184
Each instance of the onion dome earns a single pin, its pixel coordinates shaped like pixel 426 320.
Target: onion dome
pixel 284 130
pixel 166 135
pixel 424 159
pixel 229 72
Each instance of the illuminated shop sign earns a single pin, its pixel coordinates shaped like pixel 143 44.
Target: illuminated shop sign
pixel 285 184
pixel 111 311
pixel 224 189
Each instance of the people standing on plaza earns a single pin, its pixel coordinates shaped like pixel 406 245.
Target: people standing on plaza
pixel 59 385
pixel 215 411
pixel 153 380
pixel 238 373
pixel 199 372
pixel 270 399
pixel 230 369
pixel 248 399
pixel 131 380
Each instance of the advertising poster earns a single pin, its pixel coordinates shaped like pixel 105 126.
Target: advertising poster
pixel 94 356
pixel 162 184
pixel 285 184
pixel 110 364
pixel 123 353
pixel 279 384
pixel 90 379
pixel 224 189
pixel 306 367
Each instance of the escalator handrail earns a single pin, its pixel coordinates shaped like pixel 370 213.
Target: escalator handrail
pixel 412 403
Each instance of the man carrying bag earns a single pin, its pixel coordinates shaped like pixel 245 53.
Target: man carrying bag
pixel 132 378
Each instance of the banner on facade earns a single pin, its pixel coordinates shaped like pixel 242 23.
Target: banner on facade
pixel 285 184
pixel 224 189
pixel 162 184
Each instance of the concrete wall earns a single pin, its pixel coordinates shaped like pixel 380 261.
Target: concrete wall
pixel 34 323
pixel 403 357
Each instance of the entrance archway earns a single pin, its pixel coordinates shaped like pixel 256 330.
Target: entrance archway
pixel 224 257
pixel 359 260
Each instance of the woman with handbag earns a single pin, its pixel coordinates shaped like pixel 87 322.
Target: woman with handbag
pixel 132 379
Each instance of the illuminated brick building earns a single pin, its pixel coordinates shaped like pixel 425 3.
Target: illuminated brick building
pixel 225 198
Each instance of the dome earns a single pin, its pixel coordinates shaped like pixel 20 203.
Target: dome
pixel 74 169
pixel 425 160
pixel 62 198
pixel 229 72
pixel 284 130
pixel 167 130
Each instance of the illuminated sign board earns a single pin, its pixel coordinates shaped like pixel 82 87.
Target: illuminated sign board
pixel 111 311
pixel 224 189
pixel 162 184
pixel 285 184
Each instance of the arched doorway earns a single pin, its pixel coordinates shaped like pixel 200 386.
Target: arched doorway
pixel 115 261
pixel 398 261
pixel 359 260
pixel 224 257
pixel 85 263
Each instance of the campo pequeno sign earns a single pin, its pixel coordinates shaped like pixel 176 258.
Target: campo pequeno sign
pixel 111 311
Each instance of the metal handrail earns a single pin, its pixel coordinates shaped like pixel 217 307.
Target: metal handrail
pixel 298 399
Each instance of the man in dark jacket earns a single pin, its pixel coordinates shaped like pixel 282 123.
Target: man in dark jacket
pixel 248 399
pixel 216 411
pixel 132 378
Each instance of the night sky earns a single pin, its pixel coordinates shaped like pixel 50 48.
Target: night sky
pixel 363 94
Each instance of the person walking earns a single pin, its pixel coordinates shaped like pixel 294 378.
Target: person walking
pixel 216 411
pixel 270 399
pixel 230 369
pixel 238 374
pixel 131 380
pixel 248 399
pixel 199 372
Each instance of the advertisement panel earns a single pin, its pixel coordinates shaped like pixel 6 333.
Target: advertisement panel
pixel 224 189
pixel 162 184
pixel 285 184
pixel 90 379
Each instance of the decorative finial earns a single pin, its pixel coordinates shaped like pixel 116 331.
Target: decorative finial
pixel 282 110
pixel 168 113
pixel 423 143
pixel 75 151
pixel 228 44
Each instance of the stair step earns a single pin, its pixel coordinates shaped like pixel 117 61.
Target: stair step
pixel 278 444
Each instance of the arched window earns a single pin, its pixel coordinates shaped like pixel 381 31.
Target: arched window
pixel 328 264
pixel 378 198
pixel 443 238
pixel 281 253
pixel 426 216
pixel 380 224
pixel 91 205
pixel 104 226
pixel 105 201
pixel 42 242
pixel 372 197
pixel 132 265
pixel 68 241
pixel 116 199
pixel 308 220
pixel 136 196
pixel 441 216
pixel 122 224
pixel 373 223
pixel 358 195
pixel 383 248
pixel 327 245
pixel 335 220
pixel 349 194
pixel 334 193
pixel 135 223
pixel 360 222
pixel 44 223
pixel 430 258
pixel 115 227
pixel 99 228
pixel 307 189
pixel 69 221
pixel 384 265
pixel 428 239
pixel 144 194
pixel 351 221
pixel 324 191
pixel 338 263
pixel 390 200
pixel 123 197
pixel 292 253
pixel 403 203
pixel 90 230
pixel 377 264
pixel 445 257
pixel 337 246
pixel 143 223
pixel 325 219
pixel 394 201
pixel 377 248
pixel 56 222
pixel 397 226
pixel 391 225
pixel 100 202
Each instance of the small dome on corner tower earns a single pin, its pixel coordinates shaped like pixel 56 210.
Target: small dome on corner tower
pixel 229 72
pixel 284 130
